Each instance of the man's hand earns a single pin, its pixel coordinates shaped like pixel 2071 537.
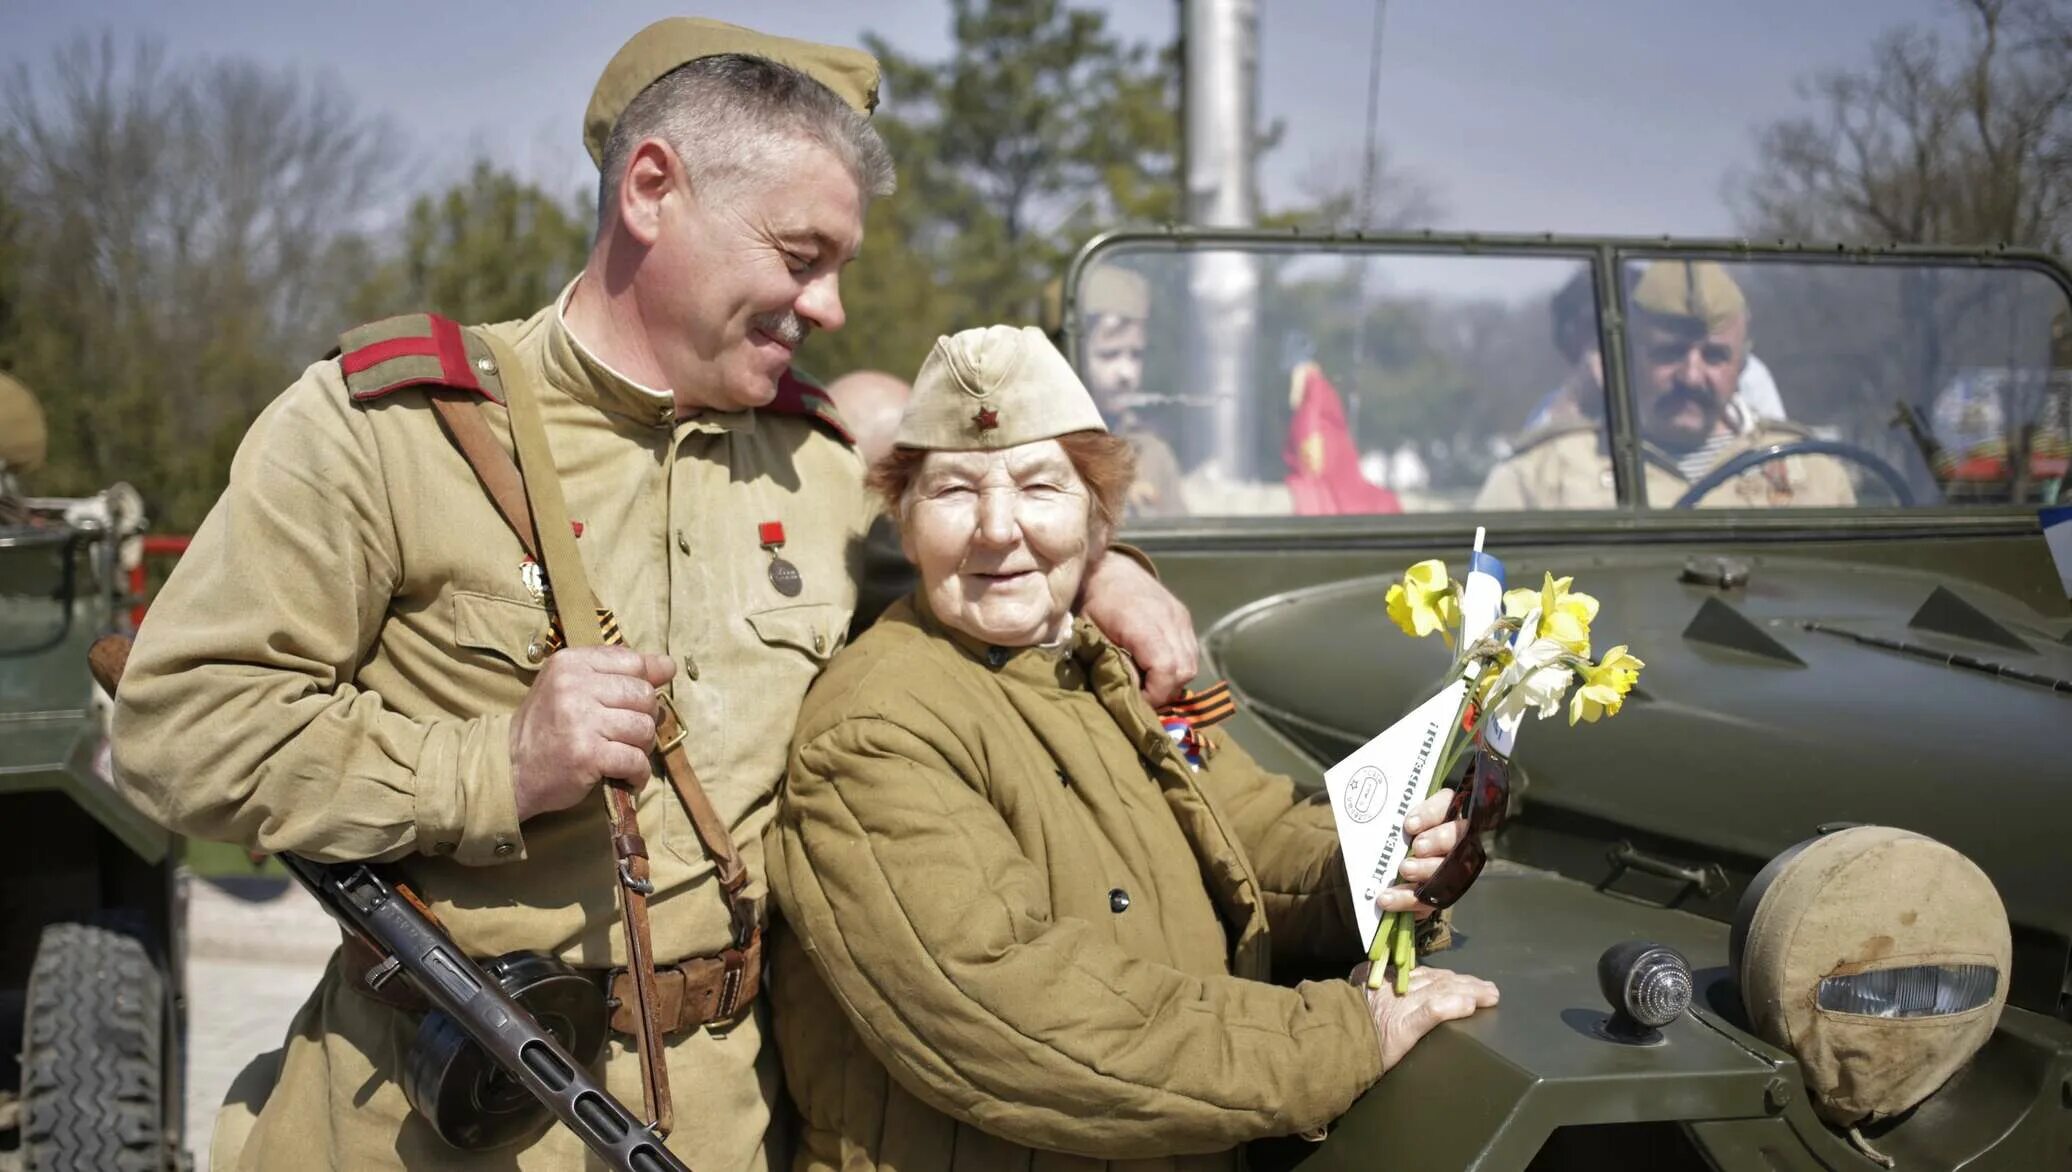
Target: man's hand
pixel 1127 603
pixel 1435 995
pixel 590 715
pixel 1434 838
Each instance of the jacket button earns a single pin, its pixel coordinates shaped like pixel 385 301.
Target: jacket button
pixel 1118 901
pixel 504 847
pixel 535 650
pixel 683 544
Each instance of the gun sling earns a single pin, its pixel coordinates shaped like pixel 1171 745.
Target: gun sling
pixel 528 495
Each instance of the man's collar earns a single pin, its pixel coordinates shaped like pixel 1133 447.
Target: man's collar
pixel 577 371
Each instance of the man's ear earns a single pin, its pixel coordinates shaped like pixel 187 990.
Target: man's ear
pixel 653 174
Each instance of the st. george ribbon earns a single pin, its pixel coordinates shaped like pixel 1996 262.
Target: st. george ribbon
pixel 1374 789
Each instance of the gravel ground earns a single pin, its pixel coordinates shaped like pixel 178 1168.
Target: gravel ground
pixel 255 948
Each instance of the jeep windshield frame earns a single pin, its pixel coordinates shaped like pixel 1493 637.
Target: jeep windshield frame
pixel 1612 263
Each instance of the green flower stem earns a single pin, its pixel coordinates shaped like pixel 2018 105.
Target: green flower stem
pixel 1378 952
pixel 1406 952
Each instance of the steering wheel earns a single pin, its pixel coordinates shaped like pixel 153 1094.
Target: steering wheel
pixel 1812 447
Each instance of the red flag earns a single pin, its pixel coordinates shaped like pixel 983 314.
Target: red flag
pixel 1323 469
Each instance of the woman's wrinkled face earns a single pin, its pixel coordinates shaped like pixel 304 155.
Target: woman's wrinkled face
pixel 1001 540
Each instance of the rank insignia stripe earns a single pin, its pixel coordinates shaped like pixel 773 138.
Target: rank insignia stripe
pixel 415 350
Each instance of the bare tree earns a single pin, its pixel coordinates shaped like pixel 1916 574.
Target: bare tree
pixel 1931 142
pixel 169 228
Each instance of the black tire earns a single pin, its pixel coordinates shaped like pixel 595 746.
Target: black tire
pixel 94 1037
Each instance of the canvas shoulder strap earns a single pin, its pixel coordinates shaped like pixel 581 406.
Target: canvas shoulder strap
pixel 527 493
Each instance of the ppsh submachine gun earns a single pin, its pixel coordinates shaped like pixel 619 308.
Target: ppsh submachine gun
pixel 480 1054
pixel 497 1049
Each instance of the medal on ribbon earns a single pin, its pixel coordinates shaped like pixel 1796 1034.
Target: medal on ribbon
pixel 783 575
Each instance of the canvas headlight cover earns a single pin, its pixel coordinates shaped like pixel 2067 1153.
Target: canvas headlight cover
pixel 1879 958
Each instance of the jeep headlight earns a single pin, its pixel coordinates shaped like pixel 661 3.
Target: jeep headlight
pixel 1879 958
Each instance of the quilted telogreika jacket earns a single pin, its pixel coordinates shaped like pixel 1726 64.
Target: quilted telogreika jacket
pixel 1023 933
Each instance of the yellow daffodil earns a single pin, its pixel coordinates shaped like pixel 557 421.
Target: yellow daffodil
pixel 1425 601
pixel 1565 615
pixel 1605 685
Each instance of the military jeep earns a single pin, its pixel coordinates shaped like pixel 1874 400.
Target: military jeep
pixel 91 1018
pixel 1902 656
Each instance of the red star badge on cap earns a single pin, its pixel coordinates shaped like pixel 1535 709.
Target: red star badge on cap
pixel 987 419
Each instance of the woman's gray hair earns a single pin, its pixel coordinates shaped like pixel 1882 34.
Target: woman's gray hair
pixel 732 117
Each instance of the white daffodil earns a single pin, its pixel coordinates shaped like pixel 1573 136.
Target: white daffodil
pixel 1538 677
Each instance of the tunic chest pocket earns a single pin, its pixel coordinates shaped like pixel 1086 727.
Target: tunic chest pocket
pixel 509 628
pixel 815 628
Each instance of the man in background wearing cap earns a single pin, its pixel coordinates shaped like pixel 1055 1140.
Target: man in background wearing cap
pixel 1690 350
pixel 1114 304
pixel 357 658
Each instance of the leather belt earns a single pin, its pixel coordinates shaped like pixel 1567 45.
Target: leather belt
pixel 699 991
pixel 692 993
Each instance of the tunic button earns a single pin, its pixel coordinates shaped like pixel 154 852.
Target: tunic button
pixel 535 650
pixel 683 544
pixel 1118 901
pixel 819 643
pixel 504 847
pixel 690 666
pixel 485 365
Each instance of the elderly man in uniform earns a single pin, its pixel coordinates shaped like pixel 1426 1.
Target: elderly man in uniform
pixel 1114 304
pixel 357 657
pixel 1690 350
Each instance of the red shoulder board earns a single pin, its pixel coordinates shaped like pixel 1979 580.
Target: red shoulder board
pixel 415 350
pixel 799 395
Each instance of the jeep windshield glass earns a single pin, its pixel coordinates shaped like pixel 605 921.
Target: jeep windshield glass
pixel 36 588
pixel 1302 379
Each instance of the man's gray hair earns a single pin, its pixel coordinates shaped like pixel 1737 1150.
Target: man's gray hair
pixel 731 117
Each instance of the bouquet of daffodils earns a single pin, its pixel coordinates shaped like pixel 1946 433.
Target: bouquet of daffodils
pixel 1516 651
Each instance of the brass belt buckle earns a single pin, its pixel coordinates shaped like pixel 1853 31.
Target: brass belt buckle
pixel 682 730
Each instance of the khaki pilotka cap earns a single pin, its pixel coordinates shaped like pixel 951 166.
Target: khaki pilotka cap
pixel 1107 291
pixel 1114 292
pixel 1700 290
pixel 679 40
pixel 995 387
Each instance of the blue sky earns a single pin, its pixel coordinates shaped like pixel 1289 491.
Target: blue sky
pixel 1521 115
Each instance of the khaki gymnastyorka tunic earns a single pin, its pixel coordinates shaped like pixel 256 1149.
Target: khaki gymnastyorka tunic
pixel 1565 466
pixel 1020 932
pixel 332 667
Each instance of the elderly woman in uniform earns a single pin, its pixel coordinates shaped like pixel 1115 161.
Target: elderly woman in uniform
pixel 1025 929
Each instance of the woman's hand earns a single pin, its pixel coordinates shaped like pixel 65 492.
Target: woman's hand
pixel 1436 995
pixel 1434 837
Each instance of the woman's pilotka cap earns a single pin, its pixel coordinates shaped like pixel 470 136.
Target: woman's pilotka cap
pixel 995 387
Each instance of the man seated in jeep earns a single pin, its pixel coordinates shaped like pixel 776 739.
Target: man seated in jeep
pixel 1689 352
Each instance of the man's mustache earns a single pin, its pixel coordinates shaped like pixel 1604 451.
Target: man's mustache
pixel 785 325
pixel 1677 397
